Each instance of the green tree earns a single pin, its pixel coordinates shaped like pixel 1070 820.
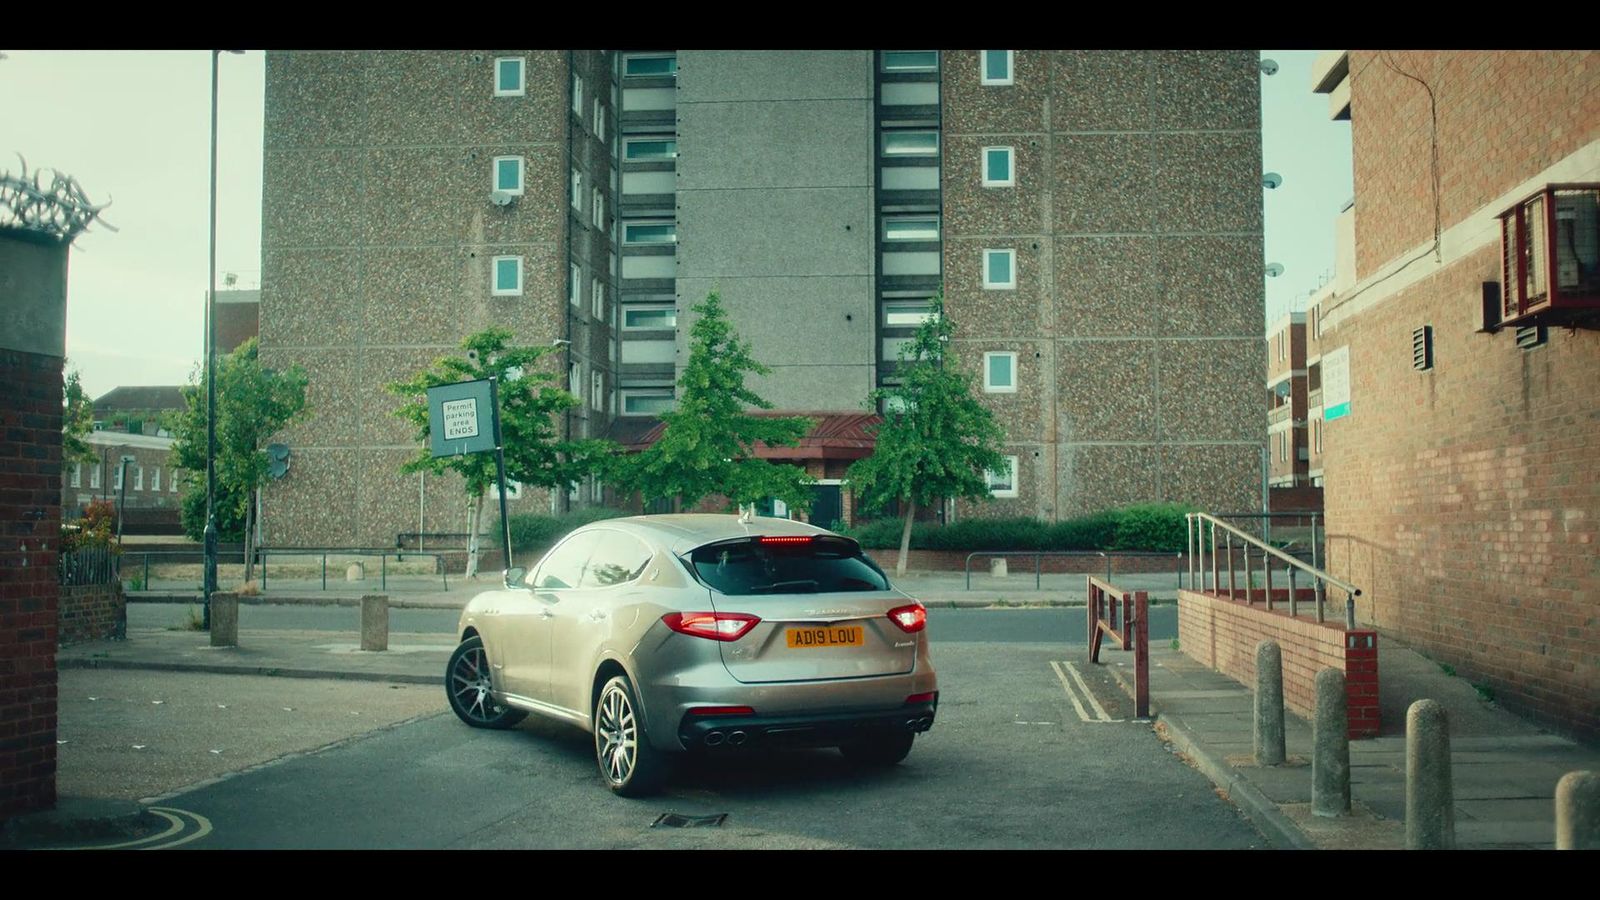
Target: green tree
pixel 531 406
pixel 77 421
pixel 253 404
pixel 936 440
pixel 708 446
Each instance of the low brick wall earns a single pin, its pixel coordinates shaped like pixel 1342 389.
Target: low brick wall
pixel 92 612
pixel 956 560
pixel 1222 633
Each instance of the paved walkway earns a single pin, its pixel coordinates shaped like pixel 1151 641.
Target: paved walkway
pixel 1505 770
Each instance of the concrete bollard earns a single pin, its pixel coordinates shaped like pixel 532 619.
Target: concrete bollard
pixel 224 619
pixel 355 572
pixel 998 568
pixel 1430 803
pixel 1330 747
pixel 1269 733
pixel 375 622
pixel 1578 811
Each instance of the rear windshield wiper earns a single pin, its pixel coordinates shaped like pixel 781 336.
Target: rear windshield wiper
pixel 781 586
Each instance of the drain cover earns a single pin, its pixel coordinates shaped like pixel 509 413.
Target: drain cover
pixel 673 820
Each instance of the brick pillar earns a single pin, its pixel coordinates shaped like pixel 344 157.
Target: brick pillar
pixel 30 529
pixel 1361 682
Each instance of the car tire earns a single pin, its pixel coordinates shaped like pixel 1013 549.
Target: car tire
pixel 467 684
pixel 884 750
pixel 628 764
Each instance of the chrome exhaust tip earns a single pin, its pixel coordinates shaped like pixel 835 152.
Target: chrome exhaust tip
pixel 737 738
pixel 911 724
pixel 713 739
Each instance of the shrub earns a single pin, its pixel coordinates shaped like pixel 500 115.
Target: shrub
pixel 1153 526
pixel 1148 527
pixel 531 531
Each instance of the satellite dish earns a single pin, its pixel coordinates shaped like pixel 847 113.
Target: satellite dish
pixel 277 460
pixel 1271 180
pixel 1274 270
pixel 501 198
pixel 1269 67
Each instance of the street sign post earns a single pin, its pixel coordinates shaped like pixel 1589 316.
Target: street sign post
pixel 463 418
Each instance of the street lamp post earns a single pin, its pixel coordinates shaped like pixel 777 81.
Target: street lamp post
pixel 210 580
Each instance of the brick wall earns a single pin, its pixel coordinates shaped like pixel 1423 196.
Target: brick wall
pixel 1502 116
pixel 92 612
pixel 30 527
pixel 1464 501
pixel 1222 633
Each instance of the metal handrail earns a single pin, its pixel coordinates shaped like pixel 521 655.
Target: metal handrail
pixel 1196 523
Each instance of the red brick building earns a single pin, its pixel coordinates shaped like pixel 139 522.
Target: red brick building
pixel 1457 434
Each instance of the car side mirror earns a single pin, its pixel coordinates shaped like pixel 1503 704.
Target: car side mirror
pixel 514 575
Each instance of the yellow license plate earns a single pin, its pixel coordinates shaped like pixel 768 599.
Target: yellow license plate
pixel 830 636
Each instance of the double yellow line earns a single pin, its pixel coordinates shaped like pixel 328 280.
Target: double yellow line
pixel 178 821
pixel 1100 714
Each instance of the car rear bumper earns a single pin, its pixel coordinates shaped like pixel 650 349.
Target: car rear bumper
pixel 721 734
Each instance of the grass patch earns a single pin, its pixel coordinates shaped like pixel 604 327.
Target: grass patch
pixel 194 621
pixel 1174 643
pixel 1447 669
pixel 1485 693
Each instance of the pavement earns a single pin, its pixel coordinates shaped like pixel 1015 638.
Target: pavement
pixel 1504 769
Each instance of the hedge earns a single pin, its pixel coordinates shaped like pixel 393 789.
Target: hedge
pixel 531 531
pixel 1156 527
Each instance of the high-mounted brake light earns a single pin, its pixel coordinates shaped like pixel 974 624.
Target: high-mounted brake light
pixel 715 626
pixel 911 618
pixel 787 539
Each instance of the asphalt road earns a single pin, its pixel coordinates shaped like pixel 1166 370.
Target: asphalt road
pixel 1011 763
pixel 996 625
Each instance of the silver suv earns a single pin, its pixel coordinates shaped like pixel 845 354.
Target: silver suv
pixel 700 633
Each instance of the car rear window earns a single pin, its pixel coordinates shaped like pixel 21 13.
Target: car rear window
pixel 795 566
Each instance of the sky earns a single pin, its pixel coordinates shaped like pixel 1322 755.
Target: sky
pixel 133 127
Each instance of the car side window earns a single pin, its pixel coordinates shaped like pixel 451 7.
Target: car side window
pixel 618 558
pixel 563 568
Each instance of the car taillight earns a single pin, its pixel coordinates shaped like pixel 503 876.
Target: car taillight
pixel 714 625
pixel 722 711
pixel 929 697
pixel 910 618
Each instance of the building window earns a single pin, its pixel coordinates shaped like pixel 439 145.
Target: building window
pixel 116 483
pixel 1000 373
pixel 509 76
pixel 599 120
pixel 577 94
pixel 658 231
pixel 910 60
pixel 599 210
pixel 911 228
pixel 508 174
pixel 575 286
pixel 999 270
pixel 575 381
pixel 77 474
pixel 597 398
pixel 155 480
pixel 911 143
pixel 997 168
pixel 94 477
pixel 138 478
pixel 1004 483
pixel 650 64
pixel 905 315
pixel 577 190
pixel 645 318
pixel 646 402
pixel 996 66
pixel 507 276
pixel 1316 434
pixel 172 483
pixel 647 149
pixel 599 300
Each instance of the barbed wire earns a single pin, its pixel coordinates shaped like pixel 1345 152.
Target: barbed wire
pixel 60 209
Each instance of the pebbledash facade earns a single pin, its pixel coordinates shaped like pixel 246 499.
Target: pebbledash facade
pixel 1095 218
pixel 1457 366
